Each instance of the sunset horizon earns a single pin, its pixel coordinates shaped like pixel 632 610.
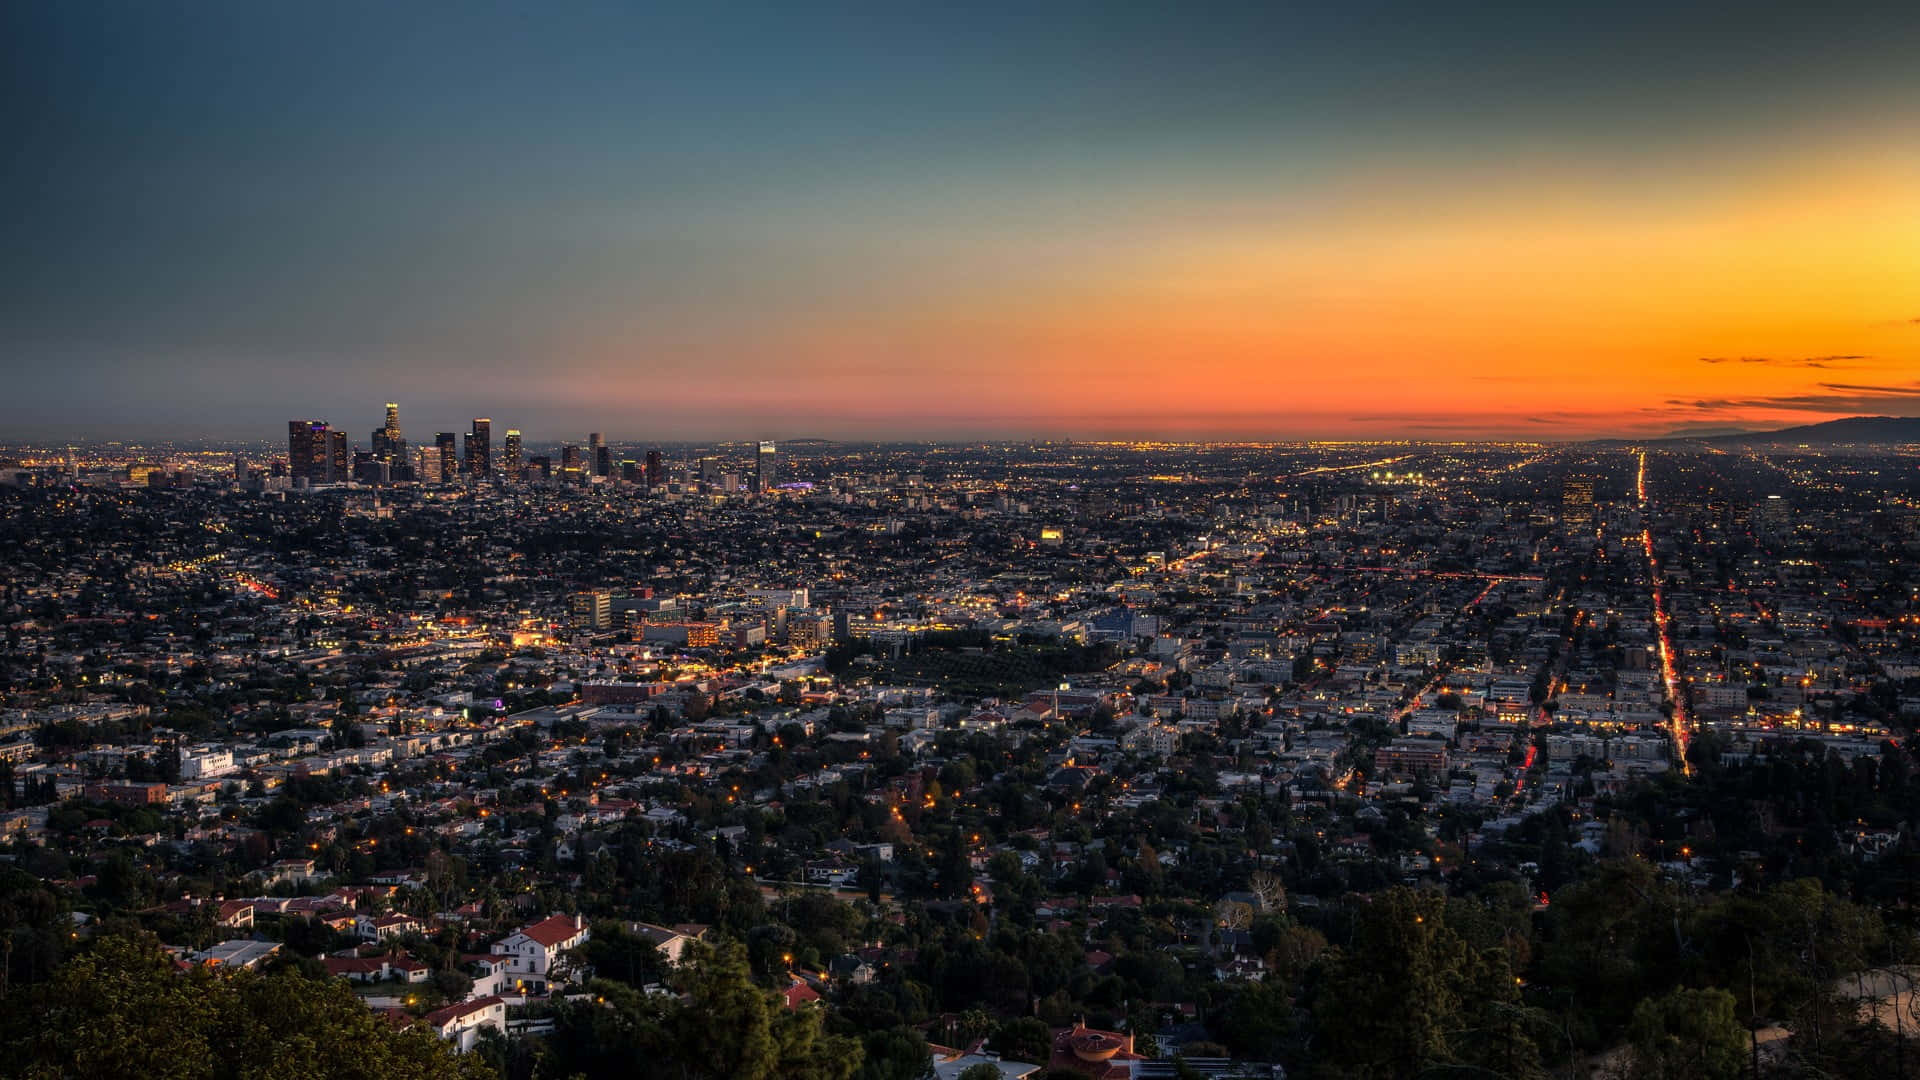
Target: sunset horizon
pixel 1267 224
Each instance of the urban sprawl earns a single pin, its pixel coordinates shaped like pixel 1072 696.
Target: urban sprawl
pixel 1050 758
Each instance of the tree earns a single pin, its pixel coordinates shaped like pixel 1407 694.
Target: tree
pixel 724 1027
pixel 1023 1039
pixel 1266 885
pixel 894 1053
pixel 1687 1033
pixel 1410 992
pixel 1232 914
pixel 122 1010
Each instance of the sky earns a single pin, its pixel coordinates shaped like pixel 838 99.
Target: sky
pixel 1265 221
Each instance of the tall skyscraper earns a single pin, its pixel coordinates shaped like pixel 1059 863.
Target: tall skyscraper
pixel 1576 501
pixel 307 451
pixel 388 444
pixel 449 456
pixel 766 468
pixel 656 469
pixel 340 460
pixel 480 448
pixel 599 458
pixel 510 461
pixel 572 469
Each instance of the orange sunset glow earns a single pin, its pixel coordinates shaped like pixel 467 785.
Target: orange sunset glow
pixel 1276 227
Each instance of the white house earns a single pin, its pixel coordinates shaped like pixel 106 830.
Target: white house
pixel 532 951
pixel 461 1024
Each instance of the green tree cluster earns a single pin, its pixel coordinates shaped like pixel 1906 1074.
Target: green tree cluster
pixel 121 1009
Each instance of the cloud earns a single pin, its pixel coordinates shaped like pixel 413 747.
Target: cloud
pixel 1912 390
pixel 1781 361
pixel 1838 398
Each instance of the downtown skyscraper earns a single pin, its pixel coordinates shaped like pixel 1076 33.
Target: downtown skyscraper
pixel 389 445
pixel 446 442
pixel 480 448
pixel 766 468
pixel 309 451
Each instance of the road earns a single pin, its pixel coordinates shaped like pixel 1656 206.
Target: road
pixel 1680 726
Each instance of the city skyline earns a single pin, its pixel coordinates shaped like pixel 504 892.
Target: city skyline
pixel 1266 224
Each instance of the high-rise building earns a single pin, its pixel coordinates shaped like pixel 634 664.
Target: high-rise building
pixel 592 610
pixel 1773 516
pixel 1576 501
pixel 766 468
pixel 572 468
pixel 656 469
pixel 449 458
pixel 427 465
pixel 388 444
pixel 480 448
pixel 340 460
pixel 710 471
pixel 307 451
pixel 510 462
pixel 599 457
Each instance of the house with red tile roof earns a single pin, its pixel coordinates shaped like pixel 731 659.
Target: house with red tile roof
pixel 461 1024
pixel 798 993
pixel 532 951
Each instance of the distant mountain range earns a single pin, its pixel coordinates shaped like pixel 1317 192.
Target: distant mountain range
pixel 1858 430
pixel 1853 429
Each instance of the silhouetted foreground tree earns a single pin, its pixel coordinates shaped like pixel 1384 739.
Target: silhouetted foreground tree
pixel 122 1010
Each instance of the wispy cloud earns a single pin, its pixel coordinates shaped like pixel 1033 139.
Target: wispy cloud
pixel 1833 360
pixel 1839 398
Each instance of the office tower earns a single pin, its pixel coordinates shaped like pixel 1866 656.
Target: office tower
pixel 710 471
pixel 338 460
pixel 592 610
pixel 510 463
pixel 599 457
pixel 427 464
pixel 388 444
pixel 369 469
pixel 572 471
pixel 1576 501
pixel 1772 516
pixel 630 472
pixel 444 442
pixel 539 467
pixel 656 469
pixel 480 448
pixel 766 468
pixel 307 451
